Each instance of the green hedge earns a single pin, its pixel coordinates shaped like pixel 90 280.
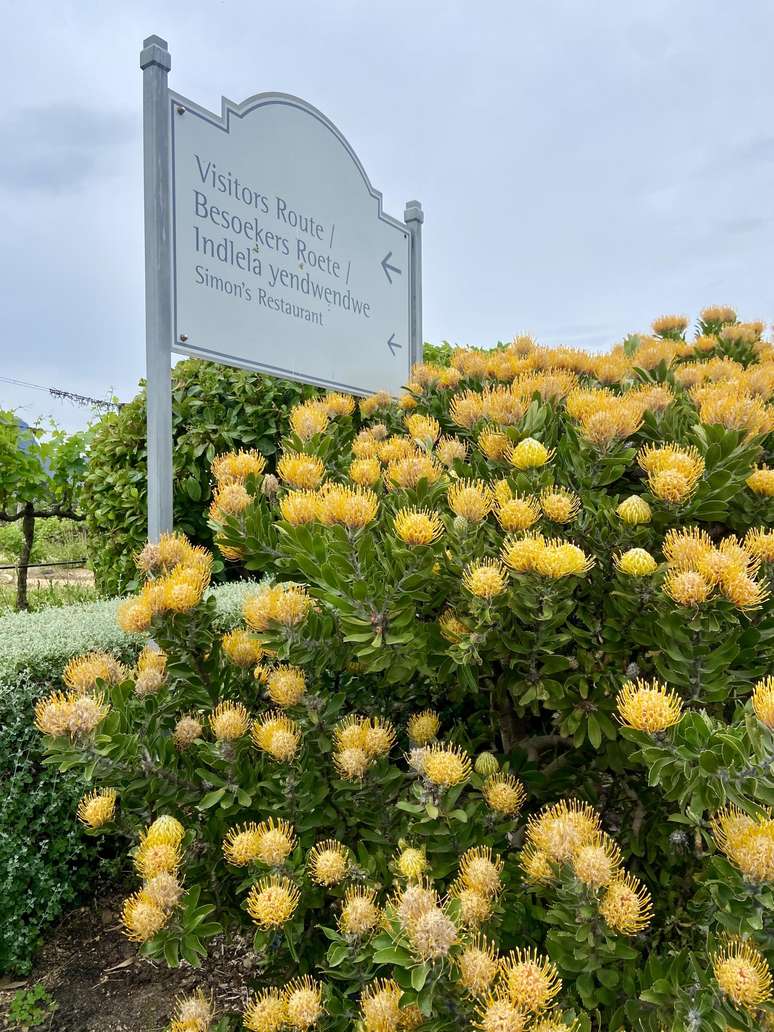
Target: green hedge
pixel 46 861
pixel 214 409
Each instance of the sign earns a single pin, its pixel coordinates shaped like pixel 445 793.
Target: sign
pixel 266 248
pixel 284 260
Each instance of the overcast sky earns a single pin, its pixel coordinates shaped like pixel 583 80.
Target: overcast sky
pixel 584 166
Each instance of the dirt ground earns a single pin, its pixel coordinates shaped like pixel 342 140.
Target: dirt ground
pixel 100 985
pixel 42 576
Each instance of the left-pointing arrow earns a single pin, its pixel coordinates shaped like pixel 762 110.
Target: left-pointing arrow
pixel 392 344
pixel 385 264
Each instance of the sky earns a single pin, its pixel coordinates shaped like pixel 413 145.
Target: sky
pixel 584 165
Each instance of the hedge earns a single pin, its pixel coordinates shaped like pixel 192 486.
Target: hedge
pixel 46 862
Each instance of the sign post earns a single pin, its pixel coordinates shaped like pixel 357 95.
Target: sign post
pixel 267 248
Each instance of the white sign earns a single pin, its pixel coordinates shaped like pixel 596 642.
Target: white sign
pixel 283 260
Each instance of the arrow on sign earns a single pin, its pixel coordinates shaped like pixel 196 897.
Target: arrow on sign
pixel 385 263
pixel 392 344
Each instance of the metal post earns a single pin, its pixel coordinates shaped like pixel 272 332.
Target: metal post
pixel 155 62
pixel 414 217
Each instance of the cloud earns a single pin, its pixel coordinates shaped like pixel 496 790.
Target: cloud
pixel 54 149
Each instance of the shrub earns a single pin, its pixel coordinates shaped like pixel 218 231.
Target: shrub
pixel 214 408
pixel 46 861
pixel 494 746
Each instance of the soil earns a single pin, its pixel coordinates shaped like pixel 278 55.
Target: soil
pixel 100 984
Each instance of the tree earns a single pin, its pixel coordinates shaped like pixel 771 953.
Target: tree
pixel 41 473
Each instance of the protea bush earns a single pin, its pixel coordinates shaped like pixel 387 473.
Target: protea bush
pixel 494 746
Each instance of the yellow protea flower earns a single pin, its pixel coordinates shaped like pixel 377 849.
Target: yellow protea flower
pixel 285 685
pixel 734 408
pixel 451 627
pixel 417 527
pixel 478 965
pixel 532 980
pixel 432 935
pixel 350 733
pixel 561 829
pixel 352 763
pixel 761 481
pixel 634 510
pixel 425 430
pixel 473 907
pixel 304 472
pixel 423 727
pixel 742 973
pixel 152 659
pixel 394 448
pixel 494 444
pixel 760 543
pixel 229 500
pixel 365 472
pixel 744 591
pixel 480 870
pixel 141 918
pixel 670 325
pixel 522 554
pixel 411 1017
pixel 164 829
pixel 748 842
pixel 727 561
pixel 446 765
pixel 328 862
pixel 378 737
pixel 193 1013
pixel 636 562
pixel 499 1014
pixel 717 315
pixel 596 863
pixel 82 673
pixel 559 559
pixel 360 914
pixel 229 721
pixel 366 444
pixel 486 764
pixel 485 578
pixel 614 421
pixel 303 1002
pixel 380 1006
pixel 530 454
pixel 536 865
pixel 241 844
pixel 300 507
pixel 272 902
pixel 626 905
pixel 763 701
pixel 241 647
pixel 277 735
pixel 559 504
pixel 97 808
pixel 309 419
pixel 411 902
pixel 685 548
pixel 450 450
pixel 504 793
pixel 411 863
pixel 237 466
pixel 153 857
pixel 648 706
pixel 407 402
pixel 163 890
pixel 408 472
pixel 502 405
pixel 555 1025
pixel 686 587
pixel 274 841
pixel 670 485
pixel 70 713
pixel 351 507
pixel 134 615
pixel 186 732
pixel 518 512
pixel 653 458
pixel 184 588
pixel 472 500
pixel 338 404
pixel 266 1012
